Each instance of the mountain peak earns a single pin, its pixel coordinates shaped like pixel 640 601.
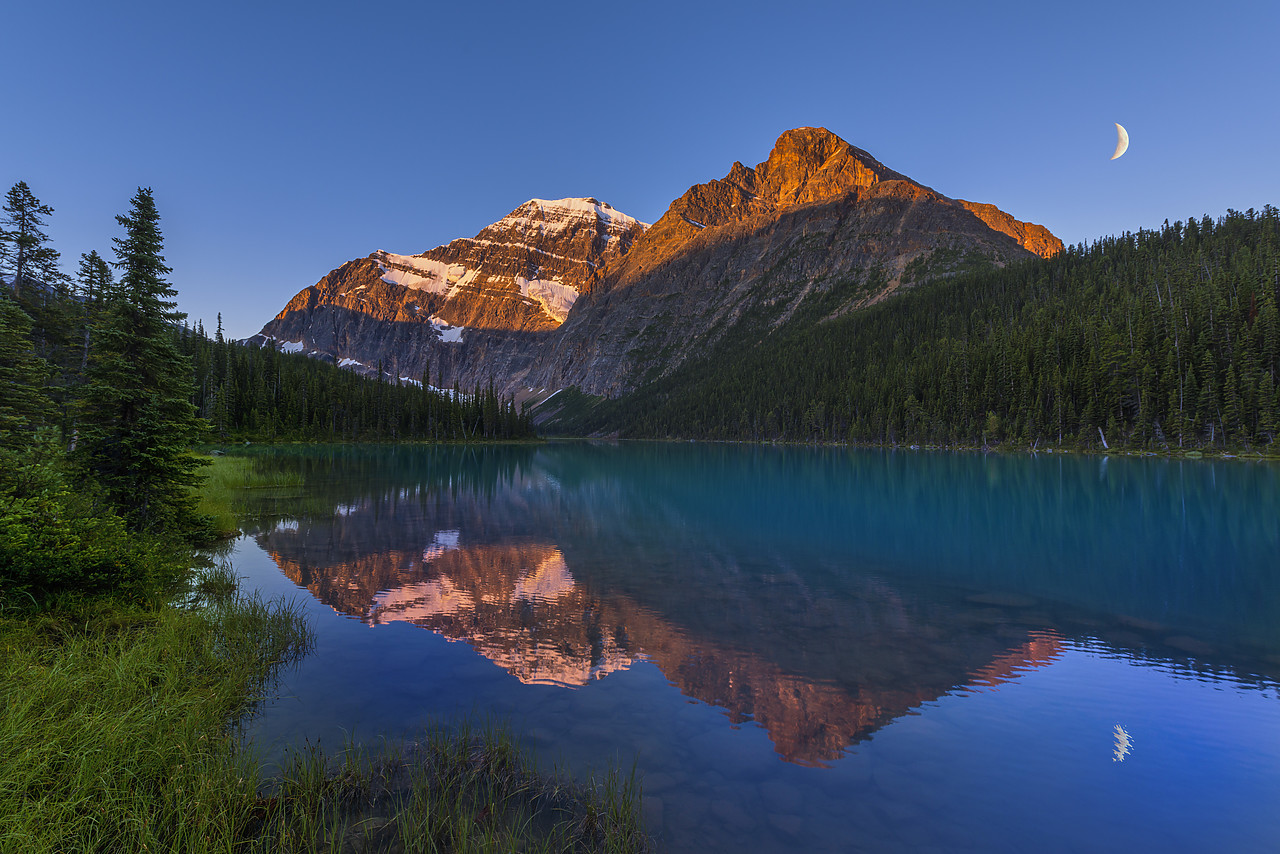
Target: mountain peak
pixel 813 164
pixel 809 165
pixel 808 140
pixel 806 165
pixel 818 229
pixel 585 207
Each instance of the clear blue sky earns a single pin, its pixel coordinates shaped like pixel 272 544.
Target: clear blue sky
pixel 283 139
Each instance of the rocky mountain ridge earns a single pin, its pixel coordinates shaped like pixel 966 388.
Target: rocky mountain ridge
pixel 575 293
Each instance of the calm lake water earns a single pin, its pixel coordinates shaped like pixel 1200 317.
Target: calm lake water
pixel 808 649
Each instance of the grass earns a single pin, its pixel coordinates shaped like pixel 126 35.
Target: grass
pixel 117 734
pixel 466 788
pixel 226 477
pixel 115 726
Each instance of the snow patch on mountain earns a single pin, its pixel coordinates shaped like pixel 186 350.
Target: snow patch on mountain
pixel 423 274
pixel 525 246
pixel 550 216
pixel 448 333
pixel 555 297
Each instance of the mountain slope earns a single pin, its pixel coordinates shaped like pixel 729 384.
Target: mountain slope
pixel 463 310
pixel 817 230
pixel 573 293
pixel 1161 339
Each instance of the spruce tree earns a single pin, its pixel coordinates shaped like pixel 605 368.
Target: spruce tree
pixel 137 420
pixel 94 280
pixel 27 261
pixel 30 266
pixel 24 406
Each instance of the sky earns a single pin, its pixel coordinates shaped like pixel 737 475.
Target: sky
pixel 283 139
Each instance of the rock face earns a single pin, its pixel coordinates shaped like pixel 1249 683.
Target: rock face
pixel 574 293
pixel 474 307
pixel 1034 238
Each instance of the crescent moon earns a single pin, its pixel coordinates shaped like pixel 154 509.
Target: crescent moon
pixel 1122 141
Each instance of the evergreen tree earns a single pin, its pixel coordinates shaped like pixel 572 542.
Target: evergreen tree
pixel 94 281
pixel 24 405
pixel 30 267
pixel 27 261
pixel 138 422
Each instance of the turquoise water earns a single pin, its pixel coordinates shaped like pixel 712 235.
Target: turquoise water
pixel 809 649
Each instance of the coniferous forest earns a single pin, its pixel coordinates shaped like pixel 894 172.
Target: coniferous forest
pixel 106 390
pixel 125 666
pixel 247 392
pixel 1156 340
pixel 240 391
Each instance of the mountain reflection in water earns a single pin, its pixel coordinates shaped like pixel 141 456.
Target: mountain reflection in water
pixel 1001 653
pixel 818 668
pixel 516 604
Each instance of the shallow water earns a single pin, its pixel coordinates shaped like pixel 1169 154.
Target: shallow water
pixel 809 649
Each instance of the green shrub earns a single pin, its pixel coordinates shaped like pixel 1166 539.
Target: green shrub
pixel 54 540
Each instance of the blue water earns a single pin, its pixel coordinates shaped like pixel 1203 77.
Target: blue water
pixel 808 649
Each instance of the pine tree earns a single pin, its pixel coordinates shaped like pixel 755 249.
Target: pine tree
pixel 31 267
pixel 137 419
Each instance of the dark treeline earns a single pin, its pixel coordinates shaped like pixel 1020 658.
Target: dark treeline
pixel 1158 339
pixel 243 392
pixel 247 392
pixel 104 391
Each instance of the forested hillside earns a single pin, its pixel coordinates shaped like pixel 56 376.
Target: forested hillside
pixel 1154 339
pixel 106 389
pixel 87 343
pixel 260 393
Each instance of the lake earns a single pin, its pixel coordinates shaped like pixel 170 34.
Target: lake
pixel 807 649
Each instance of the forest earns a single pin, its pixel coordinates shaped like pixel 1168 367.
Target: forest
pixel 1160 339
pixel 126 659
pixel 108 389
pixel 247 392
pixel 241 391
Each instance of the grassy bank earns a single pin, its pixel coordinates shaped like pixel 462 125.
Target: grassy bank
pixel 117 734
pixel 226 480
pixel 115 726
pixel 463 788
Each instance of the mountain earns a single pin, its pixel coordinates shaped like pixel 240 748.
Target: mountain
pixel 459 311
pixel 575 293
pixel 1164 339
pixel 819 229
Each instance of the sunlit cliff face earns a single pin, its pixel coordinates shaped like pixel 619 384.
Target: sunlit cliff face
pixel 519 605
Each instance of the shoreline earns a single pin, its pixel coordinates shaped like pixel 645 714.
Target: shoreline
pixel 998 449
pixel 120 730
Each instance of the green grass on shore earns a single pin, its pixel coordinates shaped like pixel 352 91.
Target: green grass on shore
pixel 225 478
pixel 115 726
pixel 117 734
pixel 464 788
